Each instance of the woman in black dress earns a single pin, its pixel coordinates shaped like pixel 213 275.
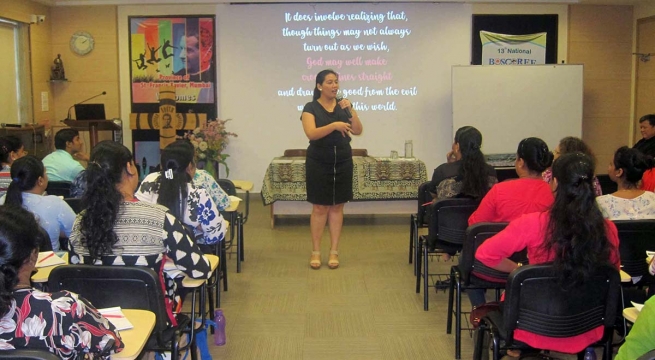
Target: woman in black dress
pixel 328 124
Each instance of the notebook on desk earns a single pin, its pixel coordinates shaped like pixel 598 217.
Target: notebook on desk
pixel 90 112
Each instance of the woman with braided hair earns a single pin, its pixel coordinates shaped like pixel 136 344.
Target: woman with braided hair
pixel 572 234
pixel 118 229
pixel 62 322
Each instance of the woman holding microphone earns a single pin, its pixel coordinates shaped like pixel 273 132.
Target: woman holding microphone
pixel 328 123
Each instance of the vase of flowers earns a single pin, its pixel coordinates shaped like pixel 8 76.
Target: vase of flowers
pixel 210 142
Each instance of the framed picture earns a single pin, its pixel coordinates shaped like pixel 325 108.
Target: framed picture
pixel 176 51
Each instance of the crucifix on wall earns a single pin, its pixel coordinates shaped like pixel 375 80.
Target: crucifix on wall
pixel 167 120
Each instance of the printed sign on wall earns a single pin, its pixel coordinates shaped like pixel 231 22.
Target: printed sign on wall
pixel 501 49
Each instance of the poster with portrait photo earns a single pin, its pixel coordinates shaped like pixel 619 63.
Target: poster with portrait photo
pixel 176 51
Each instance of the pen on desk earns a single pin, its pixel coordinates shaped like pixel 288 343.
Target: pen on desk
pixel 46 258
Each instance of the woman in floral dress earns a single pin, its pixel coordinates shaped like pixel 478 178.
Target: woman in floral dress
pixel 172 187
pixel 63 322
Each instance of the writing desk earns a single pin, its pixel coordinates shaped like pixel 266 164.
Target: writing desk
pixel 135 338
pixel 631 314
pixel 188 282
pixel 625 277
pixel 42 274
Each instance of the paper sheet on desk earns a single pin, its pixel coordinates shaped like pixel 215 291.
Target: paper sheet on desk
pixel 48 258
pixel 637 305
pixel 115 316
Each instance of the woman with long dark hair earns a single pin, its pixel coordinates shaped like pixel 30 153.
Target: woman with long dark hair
pixel 629 202
pixel 466 173
pixel 328 124
pixel 573 235
pixel 529 193
pixel 29 181
pixel 173 188
pixel 568 145
pixel 117 229
pixel 34 319
pixel 11 149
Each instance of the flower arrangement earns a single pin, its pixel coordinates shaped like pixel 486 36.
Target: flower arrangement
pixel 210 141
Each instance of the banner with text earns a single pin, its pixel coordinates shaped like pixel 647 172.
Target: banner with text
pixel 502 49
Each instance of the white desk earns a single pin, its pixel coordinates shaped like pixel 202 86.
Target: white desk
pixel 135 338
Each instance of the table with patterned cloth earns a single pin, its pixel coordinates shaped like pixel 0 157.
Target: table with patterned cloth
pixel 373 179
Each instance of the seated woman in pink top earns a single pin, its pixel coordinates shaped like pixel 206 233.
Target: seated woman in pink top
pixel 510 199
pixel 572 234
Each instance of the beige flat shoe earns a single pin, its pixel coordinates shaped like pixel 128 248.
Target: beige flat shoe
pixel 315 260
pixel 333 262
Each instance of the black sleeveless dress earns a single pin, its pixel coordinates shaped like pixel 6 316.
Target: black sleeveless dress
pixel 329 162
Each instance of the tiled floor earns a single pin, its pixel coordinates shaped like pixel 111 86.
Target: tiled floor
pixel 279 308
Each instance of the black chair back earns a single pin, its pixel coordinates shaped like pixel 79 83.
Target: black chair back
pixel 536 302
pixel 227 186
pixel 423 198
pixel 635 237
pixel 28 354
pixel 59 188
pixel 449 220
pixel 475 236
pixel 43 239
pixel 130 287
pixel 607 186
pixel 75 204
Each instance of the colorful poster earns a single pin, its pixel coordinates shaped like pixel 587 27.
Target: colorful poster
pixel 174 51
pixel 501 49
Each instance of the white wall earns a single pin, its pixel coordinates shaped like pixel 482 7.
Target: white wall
pixel 254 62
pixel 251 70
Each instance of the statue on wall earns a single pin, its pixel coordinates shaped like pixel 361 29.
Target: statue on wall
pixel 57 71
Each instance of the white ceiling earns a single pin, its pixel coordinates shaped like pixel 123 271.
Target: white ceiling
pixel 156 2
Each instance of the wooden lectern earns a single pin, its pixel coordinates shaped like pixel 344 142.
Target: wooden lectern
pixel 92 126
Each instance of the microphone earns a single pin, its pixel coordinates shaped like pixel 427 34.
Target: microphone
pixel 68 117
pixel 347 110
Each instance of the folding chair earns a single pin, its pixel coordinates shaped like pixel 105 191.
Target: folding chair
pixel 446 234
pixel 130 287
pixel 418 220
pixel 59 188
pixel 535 301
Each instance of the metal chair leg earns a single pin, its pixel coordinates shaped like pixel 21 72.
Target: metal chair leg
pixel 417 259
pixel 411 240
pixel 458 321
pixel 425 277
pixel 451 295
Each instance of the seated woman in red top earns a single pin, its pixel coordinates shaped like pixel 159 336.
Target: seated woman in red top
pixel 572 234
pixel 510 199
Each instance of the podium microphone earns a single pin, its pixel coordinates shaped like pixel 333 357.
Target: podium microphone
pixel 68 117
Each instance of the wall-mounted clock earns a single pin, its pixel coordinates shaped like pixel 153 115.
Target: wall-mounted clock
pixel 81 43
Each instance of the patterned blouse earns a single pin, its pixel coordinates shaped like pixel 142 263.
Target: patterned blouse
pixel 203 180
pixel 62 323
pixel 5 179
pixel 200 212
pixel 149 236
pixel 616 208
